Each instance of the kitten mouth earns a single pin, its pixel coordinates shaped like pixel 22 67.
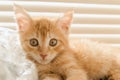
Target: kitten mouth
pixel 41 61
pixel 44 62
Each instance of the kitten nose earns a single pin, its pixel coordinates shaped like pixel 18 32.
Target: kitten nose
pixel 43 56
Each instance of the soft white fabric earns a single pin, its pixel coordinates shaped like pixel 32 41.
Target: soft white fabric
pixel 13 65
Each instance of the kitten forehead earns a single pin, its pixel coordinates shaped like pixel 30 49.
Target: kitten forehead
pixel 43 23
pixel 43 27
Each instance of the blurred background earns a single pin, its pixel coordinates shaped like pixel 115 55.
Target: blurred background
pixel 95 19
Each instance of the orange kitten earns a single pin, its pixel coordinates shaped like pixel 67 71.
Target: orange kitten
pixel 46 43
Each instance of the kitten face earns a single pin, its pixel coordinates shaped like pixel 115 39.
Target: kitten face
pixel 42 39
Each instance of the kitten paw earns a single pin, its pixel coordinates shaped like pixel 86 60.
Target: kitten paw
pixel 50 78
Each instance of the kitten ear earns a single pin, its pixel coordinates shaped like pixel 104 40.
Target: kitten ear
pixel 65 21
pixel 23 19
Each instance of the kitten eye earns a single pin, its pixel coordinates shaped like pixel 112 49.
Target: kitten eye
pixel 34 42
pixel 53 42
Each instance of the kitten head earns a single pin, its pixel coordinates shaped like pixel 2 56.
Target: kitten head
pixel 43 39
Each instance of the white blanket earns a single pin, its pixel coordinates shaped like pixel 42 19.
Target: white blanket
pixel 13 65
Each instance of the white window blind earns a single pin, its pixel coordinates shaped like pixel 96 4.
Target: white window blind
pixel 94 19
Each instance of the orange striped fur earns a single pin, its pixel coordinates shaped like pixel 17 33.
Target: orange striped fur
pixel 68 59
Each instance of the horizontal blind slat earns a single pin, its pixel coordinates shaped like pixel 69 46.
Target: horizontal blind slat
pixel 81 1
pixel 78 18
pixel 62 7
pixel 107 38
pixel 95 29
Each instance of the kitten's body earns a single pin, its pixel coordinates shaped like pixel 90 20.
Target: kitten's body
pixel 98 59
pixel 83 60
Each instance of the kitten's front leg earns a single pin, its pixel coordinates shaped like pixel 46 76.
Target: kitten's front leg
pixel 50 77
pixel 71 70
pixel 76 74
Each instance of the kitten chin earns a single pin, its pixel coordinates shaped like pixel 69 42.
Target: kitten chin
pixel 44 61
